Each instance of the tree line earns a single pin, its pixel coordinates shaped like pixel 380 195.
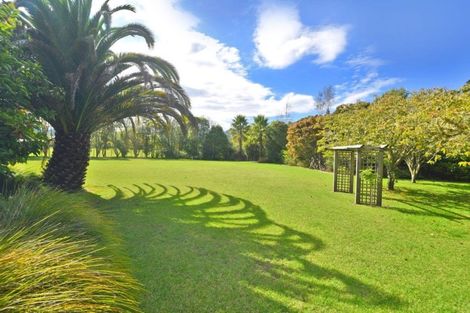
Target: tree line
pixel 419 127
pixel 261 140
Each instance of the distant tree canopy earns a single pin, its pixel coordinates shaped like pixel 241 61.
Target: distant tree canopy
pixel 276 141
pixel 216 145
pixel 303 142
pixel 418 127
pixel 343 108
pixel 239 132
pixel 258 133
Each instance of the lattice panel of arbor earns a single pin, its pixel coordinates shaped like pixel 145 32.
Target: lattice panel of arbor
pixel 344 171
pixel 369 180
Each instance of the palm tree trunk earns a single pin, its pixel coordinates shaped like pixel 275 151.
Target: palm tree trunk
pixel 67 167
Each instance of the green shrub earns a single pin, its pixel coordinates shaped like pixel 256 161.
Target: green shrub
pixel 52 260
pixel 19 77
pixel 12 181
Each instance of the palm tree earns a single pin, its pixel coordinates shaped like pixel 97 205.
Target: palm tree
pixel 238 132
pixel 260 128
pixel 91 85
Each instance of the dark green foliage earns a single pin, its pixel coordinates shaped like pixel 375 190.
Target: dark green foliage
pixel 13 181
pixel 171 141
pixel 447 168
pixel 216 145
pixel 192 145
pixel 276 141
pixel 122 147
pixel 252 151
pixel 19 137
pixel 147 142
pixel 20 133
pixel 16 71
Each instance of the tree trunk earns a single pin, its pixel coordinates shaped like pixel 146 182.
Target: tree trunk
pixel 414 165
pixel 261 149
pixel 391 177
pixel 67 167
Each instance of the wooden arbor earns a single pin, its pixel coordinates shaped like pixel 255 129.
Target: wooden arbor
pixel 366 162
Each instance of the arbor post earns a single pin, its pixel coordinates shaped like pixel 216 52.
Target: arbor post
pixel 358 177
pixel 335 171
pixel 380 172
pixel 351 172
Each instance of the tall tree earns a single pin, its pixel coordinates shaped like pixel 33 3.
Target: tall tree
pixel 418 126
pixel 452 122
pixel 238 131
pixel 259 130
pixel 193 142
pixel 170 140
pixel 96 86
pixel 376 124
pixel 325 99
pixel 276 141
pixel 135 138
pixel 303 139
pixel 216 145
pixel 384 125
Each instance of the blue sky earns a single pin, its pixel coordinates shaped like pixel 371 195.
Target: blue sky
pixel 253 57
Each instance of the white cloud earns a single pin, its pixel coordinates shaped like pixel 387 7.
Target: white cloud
pixel 281 39
pixel 211 71
pixel 366 81
pixel 365 88
pixel 364 60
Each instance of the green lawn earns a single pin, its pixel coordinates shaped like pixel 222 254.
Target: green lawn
pixel 246 237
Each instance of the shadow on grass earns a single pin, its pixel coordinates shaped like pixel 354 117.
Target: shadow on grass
pixel 464 187
pixel 197 250
pixel 453 203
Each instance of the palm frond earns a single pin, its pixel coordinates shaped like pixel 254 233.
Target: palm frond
pixel 98 86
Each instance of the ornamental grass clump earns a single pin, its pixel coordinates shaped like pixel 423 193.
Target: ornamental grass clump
pixel 49 265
